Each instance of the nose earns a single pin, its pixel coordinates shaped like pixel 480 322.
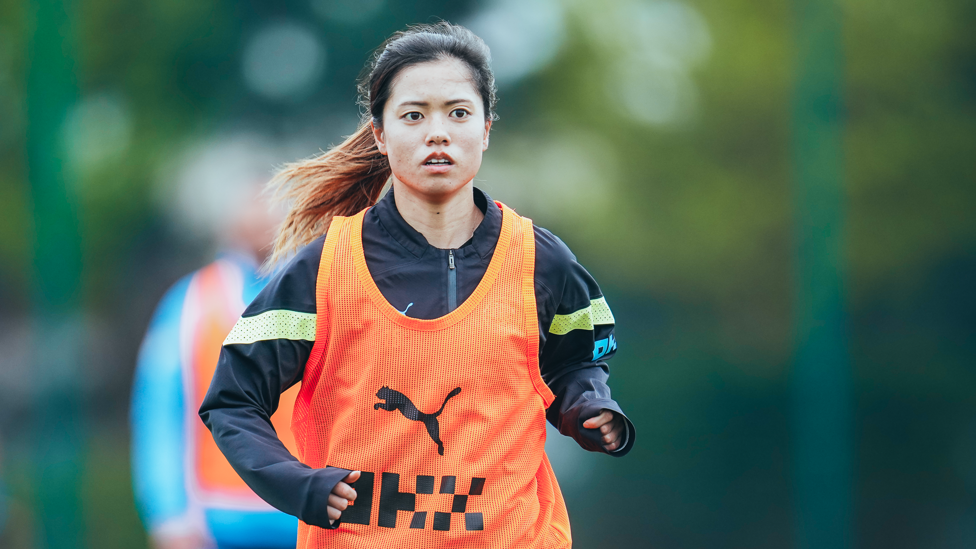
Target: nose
pixel 438 134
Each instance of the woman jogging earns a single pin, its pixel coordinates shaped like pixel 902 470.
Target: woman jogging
pixel 433 332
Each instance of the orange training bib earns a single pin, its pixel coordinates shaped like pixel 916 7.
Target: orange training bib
pixel 445 417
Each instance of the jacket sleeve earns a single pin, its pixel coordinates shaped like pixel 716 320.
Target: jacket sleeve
pixel 264 355
pixel 157 419
pixel 576 339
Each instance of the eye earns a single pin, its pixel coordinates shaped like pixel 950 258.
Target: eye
pixel 413 116
pixel 460 113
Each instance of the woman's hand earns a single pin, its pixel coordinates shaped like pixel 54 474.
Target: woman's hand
pixel 611 426
pixel 342 495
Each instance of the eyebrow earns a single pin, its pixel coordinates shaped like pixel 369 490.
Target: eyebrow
pixel 426 104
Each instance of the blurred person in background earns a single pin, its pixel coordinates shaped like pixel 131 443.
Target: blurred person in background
pixel 187 493
pixel 430 332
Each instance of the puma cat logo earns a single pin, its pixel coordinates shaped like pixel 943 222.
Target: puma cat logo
pixel 395 400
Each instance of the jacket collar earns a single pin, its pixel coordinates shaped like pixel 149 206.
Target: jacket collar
pixel 482 243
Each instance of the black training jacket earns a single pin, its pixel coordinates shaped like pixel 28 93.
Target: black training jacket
pixel 418 280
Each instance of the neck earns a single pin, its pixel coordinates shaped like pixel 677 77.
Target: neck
pixel 446 221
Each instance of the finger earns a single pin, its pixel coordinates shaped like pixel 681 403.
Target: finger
pixel 620 427
pixel 612 436
pixel 598 421
pixel 608 426
pixel 334 514
pixel 343 490
pixel 337 502
pixel 352 477
pixel 615 437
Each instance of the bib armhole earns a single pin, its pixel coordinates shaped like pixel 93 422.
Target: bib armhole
pixel 532 312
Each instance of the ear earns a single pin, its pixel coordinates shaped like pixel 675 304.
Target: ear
pixel 379 137
pixel 484 145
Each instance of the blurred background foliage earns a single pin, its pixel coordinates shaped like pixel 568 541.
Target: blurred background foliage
pixel 653 136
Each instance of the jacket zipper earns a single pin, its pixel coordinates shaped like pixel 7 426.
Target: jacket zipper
pixel 451 282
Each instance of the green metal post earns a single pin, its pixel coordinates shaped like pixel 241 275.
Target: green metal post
pixel 51 91
pixel 821 378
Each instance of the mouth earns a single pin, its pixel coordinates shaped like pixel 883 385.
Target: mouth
pixel 439 159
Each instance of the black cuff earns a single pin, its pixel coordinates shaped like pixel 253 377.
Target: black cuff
pixel 315 512
pixel 590 439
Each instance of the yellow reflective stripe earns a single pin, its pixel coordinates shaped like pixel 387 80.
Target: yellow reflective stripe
pixel 601 312
pixel 584 319
pixel 277 324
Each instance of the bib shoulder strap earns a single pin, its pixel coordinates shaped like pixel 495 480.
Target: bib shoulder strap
pixel 336 228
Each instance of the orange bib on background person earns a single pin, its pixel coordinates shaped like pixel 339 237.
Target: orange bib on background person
pixel 213 304
pixel 444 417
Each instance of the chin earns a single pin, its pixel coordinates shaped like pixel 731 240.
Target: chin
pixel 436 186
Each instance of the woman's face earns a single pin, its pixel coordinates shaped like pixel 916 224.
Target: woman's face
pixel 434 128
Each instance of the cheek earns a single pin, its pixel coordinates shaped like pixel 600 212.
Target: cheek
pixel 398 146
pixel 473 140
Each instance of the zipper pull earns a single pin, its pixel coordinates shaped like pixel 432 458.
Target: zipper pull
pixel 450 259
